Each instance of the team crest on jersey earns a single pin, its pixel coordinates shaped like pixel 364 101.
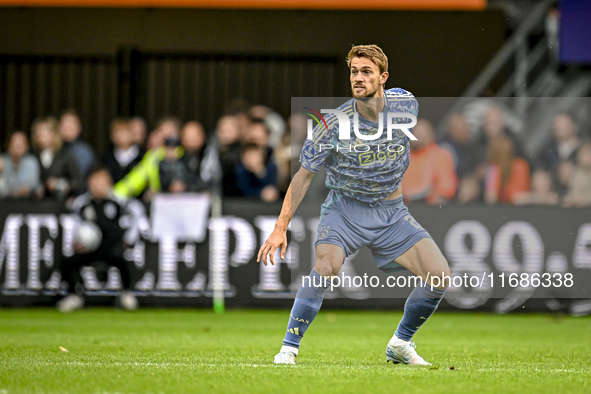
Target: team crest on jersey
pixel 309 152
pixel 110 210
pixel 88 213
pixel 323 233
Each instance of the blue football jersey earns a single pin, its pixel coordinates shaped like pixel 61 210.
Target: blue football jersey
pixel 365 170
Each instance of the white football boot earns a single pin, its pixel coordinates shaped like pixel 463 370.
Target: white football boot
pixel 286 355
pixel 399 351
pixel 128 301
pixel 70 303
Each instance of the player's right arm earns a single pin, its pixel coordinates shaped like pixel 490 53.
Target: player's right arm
pixel 295 194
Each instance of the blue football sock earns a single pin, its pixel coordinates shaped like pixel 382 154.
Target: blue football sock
pixel 305 308
pixel 419 306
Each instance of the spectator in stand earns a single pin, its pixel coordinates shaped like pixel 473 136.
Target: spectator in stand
pixel 579 192
pixel 61 176
pixel 494 125
pixel 138 132
pixel 565 144
pixel 274 122
pixel 257 133
pixel 240 110
pixel 564 175
pixel 542 190
pixel 431 176
pixel 20 169
pixel 256 177
pixel 506 175
pixel 172 171
pixel 200 159
pixel 144 178
pixel 228 136
pixel 467 154
pixel 70 128
pixel 124 154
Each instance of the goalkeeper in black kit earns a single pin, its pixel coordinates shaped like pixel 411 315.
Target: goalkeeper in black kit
pixel 103 211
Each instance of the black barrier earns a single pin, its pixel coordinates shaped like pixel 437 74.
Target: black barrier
pixel 502 258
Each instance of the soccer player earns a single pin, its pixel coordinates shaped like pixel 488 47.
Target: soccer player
pixel 363 208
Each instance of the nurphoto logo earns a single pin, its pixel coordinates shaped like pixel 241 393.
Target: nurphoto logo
pixel 345 124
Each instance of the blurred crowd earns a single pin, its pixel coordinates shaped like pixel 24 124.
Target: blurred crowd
pixel 483 160
pixel 248 155
pixel 253 151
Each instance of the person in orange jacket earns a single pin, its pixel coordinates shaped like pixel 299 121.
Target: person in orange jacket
pixel 506 175
pixel 431 175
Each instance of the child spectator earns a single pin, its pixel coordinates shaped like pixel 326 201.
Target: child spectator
pixel 255 178
pixel 542 190
pixel 506 175
pixel 124 154
pixel 257 133
pixel 60 174
pixel 579 192
pixel 20 169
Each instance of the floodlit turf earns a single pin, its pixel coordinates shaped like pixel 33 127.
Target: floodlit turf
pixel 195 351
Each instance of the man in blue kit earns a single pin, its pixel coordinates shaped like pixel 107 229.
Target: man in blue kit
pixel 364 206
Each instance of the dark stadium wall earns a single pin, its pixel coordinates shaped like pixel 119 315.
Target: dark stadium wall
pixel 430 53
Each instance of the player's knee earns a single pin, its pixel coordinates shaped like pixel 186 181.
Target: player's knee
pixel 441 278
pixel 328 263
pixel 324 268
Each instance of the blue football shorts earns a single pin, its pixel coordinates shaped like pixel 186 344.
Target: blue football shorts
pixel 385 227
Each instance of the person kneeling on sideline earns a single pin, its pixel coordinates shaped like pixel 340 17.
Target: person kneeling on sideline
pixel 100 209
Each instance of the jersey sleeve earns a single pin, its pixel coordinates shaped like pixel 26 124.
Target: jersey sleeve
pixel 404 102
pixel 316 150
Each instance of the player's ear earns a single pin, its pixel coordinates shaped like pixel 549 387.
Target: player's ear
pixel 384 77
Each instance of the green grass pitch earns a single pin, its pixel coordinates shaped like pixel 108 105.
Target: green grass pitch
pixel 196 351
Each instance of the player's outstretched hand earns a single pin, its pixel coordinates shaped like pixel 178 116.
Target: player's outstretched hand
pixel 277 239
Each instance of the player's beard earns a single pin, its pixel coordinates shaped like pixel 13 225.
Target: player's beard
pixel 368 93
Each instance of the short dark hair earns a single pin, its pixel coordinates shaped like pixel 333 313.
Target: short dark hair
pixel 98 168
pixel 372 52
pixel 261 122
